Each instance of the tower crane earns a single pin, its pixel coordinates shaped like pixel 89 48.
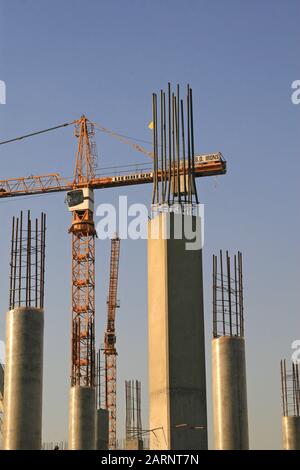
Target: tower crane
pixel 110 351
pixel 80 199
pixel 81 204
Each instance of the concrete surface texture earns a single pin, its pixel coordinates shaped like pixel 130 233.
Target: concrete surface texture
pixel 177 382
pixel 229 393
pixel 102 429
pixel 23 384
pixel 291 432
pixel 82 418
pixel 134 444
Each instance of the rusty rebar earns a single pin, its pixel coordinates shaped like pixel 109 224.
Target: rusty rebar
pixel 228 308
pixel 27 262
pixel 133 426
pixel 290 389
pixel 173 152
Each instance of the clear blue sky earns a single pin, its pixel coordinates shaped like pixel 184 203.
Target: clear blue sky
pixel 104 58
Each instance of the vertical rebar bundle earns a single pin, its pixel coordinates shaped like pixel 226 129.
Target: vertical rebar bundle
pixel 27 265
pixel 100 380
pixel 228 309
pixel 133 409
pixel 173 151
pixel 290 389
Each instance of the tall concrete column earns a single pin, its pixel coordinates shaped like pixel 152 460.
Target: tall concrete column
pixel 229 393
pixel 82 418
pixel 23 384
pixel 177 383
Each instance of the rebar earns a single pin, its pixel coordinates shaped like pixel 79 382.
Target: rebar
pixel 290 389
pixel 228 309
pixel 173 175
pixel 133 409
pixel 27 262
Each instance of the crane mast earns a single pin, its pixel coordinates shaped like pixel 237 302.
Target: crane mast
pixel 83 259
pixel 110 342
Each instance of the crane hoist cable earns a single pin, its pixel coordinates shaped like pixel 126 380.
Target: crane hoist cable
pixel 37 133
pixel 136 139
pixel 123 139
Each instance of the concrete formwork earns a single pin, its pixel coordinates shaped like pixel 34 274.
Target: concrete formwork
pixel 102 429
pixel 229 393
pixel 82 418
pixel 177 383
pixel 23 384
pixel 291 432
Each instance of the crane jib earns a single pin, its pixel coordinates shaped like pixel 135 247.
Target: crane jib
pixel 46 184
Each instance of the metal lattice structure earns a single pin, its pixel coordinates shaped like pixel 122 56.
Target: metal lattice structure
pixel 290 389
pixel 110 351
pixel 83 266
pixel 83 308
pixel 228 302
pixel 119 176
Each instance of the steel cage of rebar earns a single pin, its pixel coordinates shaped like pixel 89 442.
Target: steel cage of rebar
pixel 228 304
pixel 173 152
pixel 133 409
pixel 290 389
pixel 27 263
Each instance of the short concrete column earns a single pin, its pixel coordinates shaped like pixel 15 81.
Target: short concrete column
pixel 291 432
pixel 23 382
pixel 82 418
pixel 229 393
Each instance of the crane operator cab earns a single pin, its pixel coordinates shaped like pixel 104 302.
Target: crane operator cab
pixel 80 200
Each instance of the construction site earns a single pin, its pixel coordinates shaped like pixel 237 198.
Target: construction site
pixel 129 308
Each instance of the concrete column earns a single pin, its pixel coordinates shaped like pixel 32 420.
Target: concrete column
pixel 102 429
pixel 229 393
pixel 1 404
pixel 134 444
pixel 82 418
pixel 177 383
pixel 23 383
pixel 291 432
